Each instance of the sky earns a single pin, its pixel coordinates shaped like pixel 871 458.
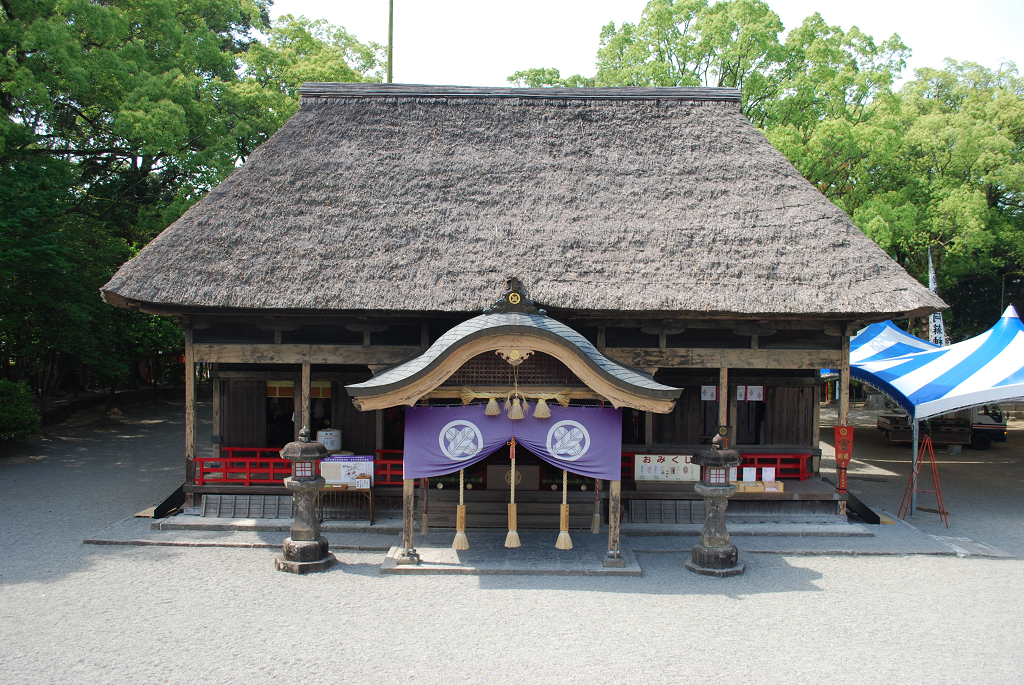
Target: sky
pixel 479 43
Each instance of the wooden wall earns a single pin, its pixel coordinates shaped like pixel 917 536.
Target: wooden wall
pixel 358 428
pixel 692 422
pixel 244 412
pixel 789 415
pixel 786 417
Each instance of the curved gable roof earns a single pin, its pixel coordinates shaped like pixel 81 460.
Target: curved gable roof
pixel 415 198
pixel 620 384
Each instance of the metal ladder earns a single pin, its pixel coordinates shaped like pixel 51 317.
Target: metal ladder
pixel 926 445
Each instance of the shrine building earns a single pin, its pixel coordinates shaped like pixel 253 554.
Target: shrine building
pixel 396 249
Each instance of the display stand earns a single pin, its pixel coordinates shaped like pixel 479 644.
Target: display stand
pixel 337 496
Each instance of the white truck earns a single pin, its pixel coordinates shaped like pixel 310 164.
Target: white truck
pixel 978 427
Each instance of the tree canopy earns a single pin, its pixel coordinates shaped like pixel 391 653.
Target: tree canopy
pixel 935 163
pixel 118 117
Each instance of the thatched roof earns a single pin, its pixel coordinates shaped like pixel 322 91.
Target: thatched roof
pixel 417 198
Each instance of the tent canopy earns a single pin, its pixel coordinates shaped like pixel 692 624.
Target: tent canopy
pixel 884 341
pixel 986 369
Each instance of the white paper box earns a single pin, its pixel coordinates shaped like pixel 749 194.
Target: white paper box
pixel 768 473
pixel 708 393
pixel 671 468
pixel 749 474
pixel 732 473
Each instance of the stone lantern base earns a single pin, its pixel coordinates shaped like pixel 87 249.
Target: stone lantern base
pixel 720 562
pixel 305 556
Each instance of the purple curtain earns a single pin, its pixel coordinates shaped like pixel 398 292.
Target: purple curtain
pixel 582 440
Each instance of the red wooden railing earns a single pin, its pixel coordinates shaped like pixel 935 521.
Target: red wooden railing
pixel 628 465
pixel 243 466
pixel 387 467
pixel 786 465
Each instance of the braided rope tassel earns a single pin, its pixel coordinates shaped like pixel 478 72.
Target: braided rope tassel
pixel 564 541
pixel 512 539
pixel 461 541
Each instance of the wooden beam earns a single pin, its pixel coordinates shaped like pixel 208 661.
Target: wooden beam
pixel 844 383
pixel 714 358
pixel 576 393
pixel 310 354
pixel 307 386
pixel 259 375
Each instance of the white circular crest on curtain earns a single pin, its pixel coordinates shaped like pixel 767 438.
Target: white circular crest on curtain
pixel 460 440
pixel 568 440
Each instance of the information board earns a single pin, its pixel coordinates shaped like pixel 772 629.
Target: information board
pixel 352 470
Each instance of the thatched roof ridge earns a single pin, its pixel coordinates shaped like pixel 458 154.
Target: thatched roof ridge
pixel 423 199
pixel 347 90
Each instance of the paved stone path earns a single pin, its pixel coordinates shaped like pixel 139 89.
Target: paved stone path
pixel 76 613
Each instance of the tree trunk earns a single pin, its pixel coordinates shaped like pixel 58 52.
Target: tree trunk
pixel 110 397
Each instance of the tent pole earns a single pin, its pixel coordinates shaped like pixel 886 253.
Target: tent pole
pixel 913 473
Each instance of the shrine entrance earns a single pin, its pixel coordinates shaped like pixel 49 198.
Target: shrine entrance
pixel 477 405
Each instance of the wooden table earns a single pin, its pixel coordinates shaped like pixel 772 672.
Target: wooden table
pixel 337 496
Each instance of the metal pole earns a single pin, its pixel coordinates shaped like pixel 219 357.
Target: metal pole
pixel 913 473
pixel 391 34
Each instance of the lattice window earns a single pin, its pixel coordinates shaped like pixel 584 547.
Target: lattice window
pixel 490 369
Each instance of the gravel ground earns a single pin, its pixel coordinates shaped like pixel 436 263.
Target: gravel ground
pixel 983 489
pixel 108 614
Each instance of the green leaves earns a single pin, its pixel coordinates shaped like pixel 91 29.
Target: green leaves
pixel 937 164
pixel 117 117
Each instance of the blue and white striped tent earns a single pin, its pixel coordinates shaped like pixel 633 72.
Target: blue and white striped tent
pixel 881 341
pixel 884 341
pixel 986 369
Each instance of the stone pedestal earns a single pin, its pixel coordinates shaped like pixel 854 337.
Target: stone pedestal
pixel 305 551
pixel 715 555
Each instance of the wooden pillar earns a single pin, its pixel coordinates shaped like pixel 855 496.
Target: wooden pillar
pixel 614 557
pixel 216 428
pixel 816 437
pixel 378 430
pixel 723 397
pixel 190 411
pixel 307 387
pixel 733 412
pixel 817 415
pixel 648 429
pixel 844 384
pixel 407 553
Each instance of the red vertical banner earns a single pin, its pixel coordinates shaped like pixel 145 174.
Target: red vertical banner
pixel 844 452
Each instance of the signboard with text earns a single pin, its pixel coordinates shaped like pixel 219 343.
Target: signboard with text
pixel 671 468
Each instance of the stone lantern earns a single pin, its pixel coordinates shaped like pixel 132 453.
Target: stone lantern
pixel 714 555
pixel 305 551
